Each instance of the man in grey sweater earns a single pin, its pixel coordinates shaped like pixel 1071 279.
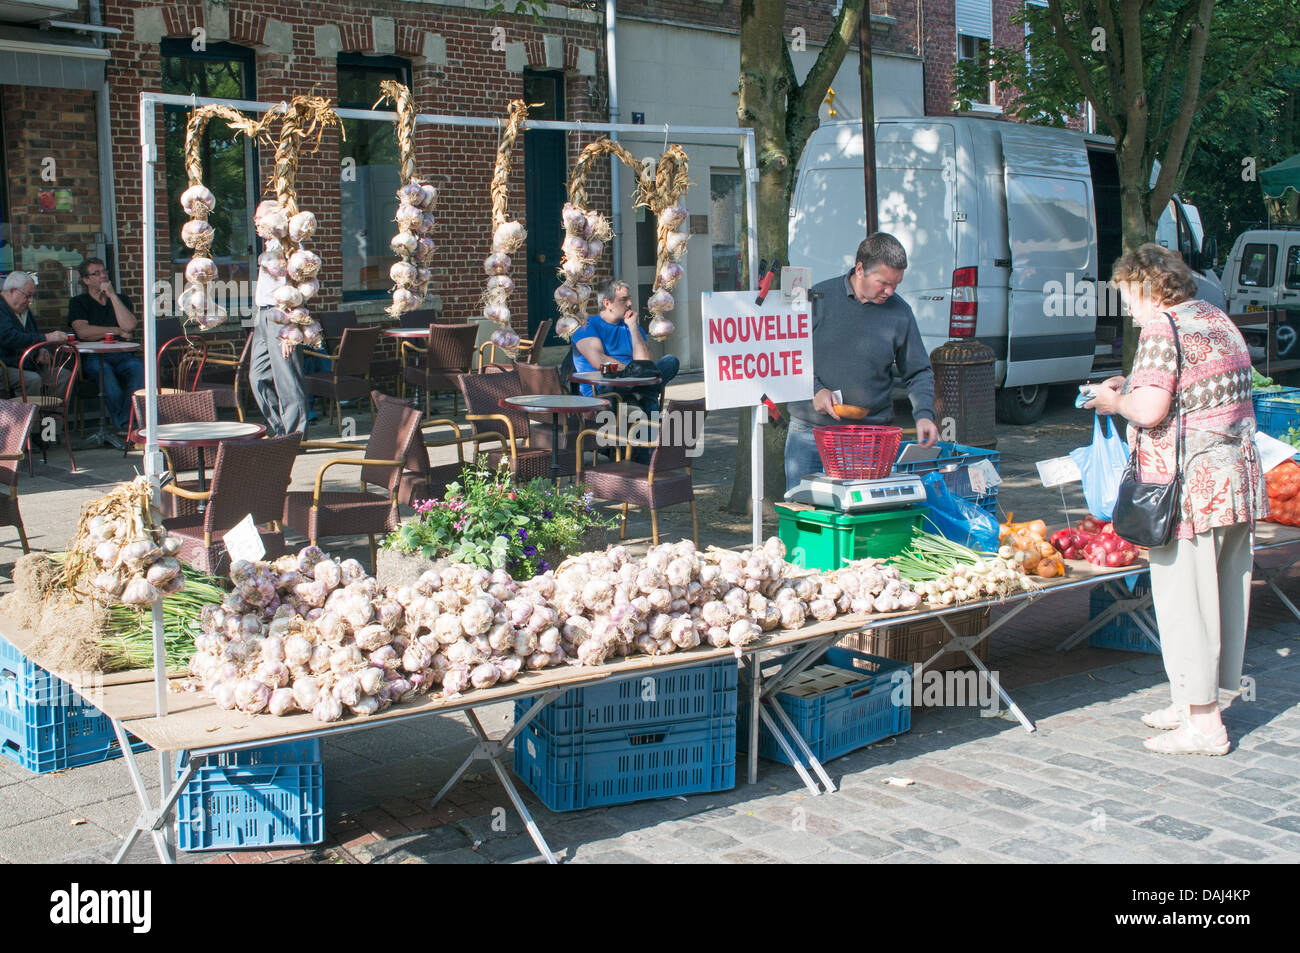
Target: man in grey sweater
pixel 861 329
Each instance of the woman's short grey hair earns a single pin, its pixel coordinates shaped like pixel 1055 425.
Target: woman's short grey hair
pixel 881 249
pixel 17 280
pixel 609 290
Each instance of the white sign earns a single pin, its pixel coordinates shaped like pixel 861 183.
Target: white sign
pixel 982 476
pixel 1058 470
pixel 752 350
pixel 1272 451
pixel 244 541
pixel 795 283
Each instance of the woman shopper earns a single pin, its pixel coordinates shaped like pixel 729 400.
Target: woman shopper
pixel 1200 580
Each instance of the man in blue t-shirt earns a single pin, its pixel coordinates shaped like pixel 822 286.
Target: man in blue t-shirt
pixel 615 335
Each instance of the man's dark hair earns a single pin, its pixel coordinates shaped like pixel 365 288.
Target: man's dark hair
pixel 881 249
pixel 609 290
pixel 85 265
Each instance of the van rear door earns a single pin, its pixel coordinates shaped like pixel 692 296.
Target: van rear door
pixel 1053 237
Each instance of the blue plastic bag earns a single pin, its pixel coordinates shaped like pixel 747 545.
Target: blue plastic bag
pixel 957 519
pixel 1102 465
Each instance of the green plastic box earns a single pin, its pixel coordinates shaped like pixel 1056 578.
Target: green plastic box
pixel 825 539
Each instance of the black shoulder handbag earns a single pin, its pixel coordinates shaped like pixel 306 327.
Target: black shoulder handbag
pixel 1145 514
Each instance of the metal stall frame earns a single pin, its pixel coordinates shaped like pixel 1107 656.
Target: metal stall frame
pixel 153 460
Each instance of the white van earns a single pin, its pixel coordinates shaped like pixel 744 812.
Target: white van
pixel 1263 272
pixel 1009 230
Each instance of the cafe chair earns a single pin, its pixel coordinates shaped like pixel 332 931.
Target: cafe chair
pixel 529 350
pixel 321 514
pixel 58 379
pixel 419 318
pixel 250 476
pixel 665 481
pixel 450 352
pixel 181 407
pixel 16 421
pixel 349 375
pixel 511 428
pixel 421 478
pixel 545 379
pixel 220 369
pixel 179 357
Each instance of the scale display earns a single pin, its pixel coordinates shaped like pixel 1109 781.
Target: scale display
pixel 855 496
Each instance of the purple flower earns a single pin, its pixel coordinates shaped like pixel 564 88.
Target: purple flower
pixel 530 550
pixel 523 534
pixel 543 566
pixel 547 514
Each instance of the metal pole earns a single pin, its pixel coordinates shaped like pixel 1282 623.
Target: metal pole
pixel 868 119
pixel 751 244
pixel 615 163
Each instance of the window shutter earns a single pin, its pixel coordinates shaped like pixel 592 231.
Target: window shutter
pixel 975 18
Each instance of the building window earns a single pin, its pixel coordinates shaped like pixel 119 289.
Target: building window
pixel 726 207
pixel 221 71
pixel 975 50
pixel 368 190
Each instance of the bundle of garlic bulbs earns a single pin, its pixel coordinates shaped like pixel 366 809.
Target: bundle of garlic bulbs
pixel 413 243
pixel 287 229
pixel 307 633
pixel 197 302
pixel 666 200
pixel 508 236
pixel 585 233
pixel 122 549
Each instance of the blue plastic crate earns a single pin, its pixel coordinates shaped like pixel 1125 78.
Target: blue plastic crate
pixel 1120 632
pixel 271 796
pixel 46 726
pixel 954 462
pixel 1277 412
pixel 846 718
pixel 657 698
pixel 627 764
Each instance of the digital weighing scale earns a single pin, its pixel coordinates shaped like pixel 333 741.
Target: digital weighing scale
pixel 857 496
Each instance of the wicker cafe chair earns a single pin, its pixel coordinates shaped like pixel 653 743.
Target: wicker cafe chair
pixel 665 481
pixel 16 421
pixel 219 370
pixel 528 352
pixel 349 374
pixel 179 357
pixel 482 393
pixel 58 380
pixel 435 368
pixel 545 379
pixel 179 408
pixel 322 513
pixel 248 477
pixel 421 478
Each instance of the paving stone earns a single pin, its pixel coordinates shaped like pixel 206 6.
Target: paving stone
pixel 833 857
pixel 1116 810
pixel 1131 776
pixel 1067 816
pixel 1287 842
pixel 463 856
pixel 1004 820
pixel 1242 849
pixel 1062 795
pixel 1264 776
pixel 919 839
pixel 1288 822
pixel 913 857
pixel 1050 836
pixel 1185 854
pixel 614 857
pixel 1261 794
pixel 1028 850
pixel 787 845
pixel 1173 827
pixel 947 799
pixel 1207 778
pixel 863 845
pixel 749 855
pixel 1014 800
pixel 1240 807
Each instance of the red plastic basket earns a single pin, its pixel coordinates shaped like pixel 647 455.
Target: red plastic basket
pixel 856 451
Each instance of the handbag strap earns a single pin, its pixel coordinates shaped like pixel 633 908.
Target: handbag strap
pixel 1178 403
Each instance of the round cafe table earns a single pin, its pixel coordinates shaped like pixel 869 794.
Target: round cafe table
pixel 557 406
pixel 597 379
pixel 405 334
pixel 201 434
pixel 103 436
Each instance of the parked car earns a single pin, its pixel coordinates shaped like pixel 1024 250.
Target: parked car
pixel 1263 272
pixel 1010 231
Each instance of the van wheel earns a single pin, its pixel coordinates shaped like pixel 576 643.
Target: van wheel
pixel 1021 405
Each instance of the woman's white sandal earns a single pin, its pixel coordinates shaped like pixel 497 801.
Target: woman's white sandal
pixel 1187 740
pixel 1166 719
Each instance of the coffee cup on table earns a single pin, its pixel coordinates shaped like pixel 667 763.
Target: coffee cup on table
pixel 109 337
pixel 610 367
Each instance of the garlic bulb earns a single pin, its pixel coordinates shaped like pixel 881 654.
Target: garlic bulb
pixel 403 273
pixel 505 337
pixel 497 263
pixel 198 201
pixel 501 284
pixel 660 328
pixel 675 244
pixel 308 288
pixel 411 194
pixel 303 264
pixel 287 297
pixel 673 216
pixel 200 270
pixel 302 226
pixel 669 275
pixel 404 243
pixel 660 302
pixel 497 313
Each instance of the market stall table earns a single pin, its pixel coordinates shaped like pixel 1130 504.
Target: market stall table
pixel 201 434
pixel 103 436
pixel 557 406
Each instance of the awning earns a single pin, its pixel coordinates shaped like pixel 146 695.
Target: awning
pixel 35 58
pixel 1281 185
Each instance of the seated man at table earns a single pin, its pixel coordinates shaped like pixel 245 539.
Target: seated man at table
pixel 97 311
pixel 18 332
pixel 615 334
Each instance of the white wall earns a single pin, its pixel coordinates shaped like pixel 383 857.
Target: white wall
pixel 689 78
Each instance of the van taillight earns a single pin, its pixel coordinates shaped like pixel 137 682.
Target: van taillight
pixel 963 307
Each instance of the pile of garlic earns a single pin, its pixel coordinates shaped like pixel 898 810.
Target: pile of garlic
pixel 307 633
pixel 196 301
pixel 672 248
pixel 507 239
pixel 285 256
pixel 413 245
pixel 135 567
pixel 585 235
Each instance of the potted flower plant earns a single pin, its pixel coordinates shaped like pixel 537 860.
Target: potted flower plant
pixel 488 520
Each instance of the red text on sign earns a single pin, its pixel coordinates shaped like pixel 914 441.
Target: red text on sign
pixel 741 367
pixel 766 327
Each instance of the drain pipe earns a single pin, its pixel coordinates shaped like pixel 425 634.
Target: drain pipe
pixel 107 199
pixel 615 164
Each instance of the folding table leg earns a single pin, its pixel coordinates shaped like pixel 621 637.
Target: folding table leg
pixel 755 706
pixel 1269 576
pixel 786 750
pixel 965 643
pixel 803 747
pixel 149 819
